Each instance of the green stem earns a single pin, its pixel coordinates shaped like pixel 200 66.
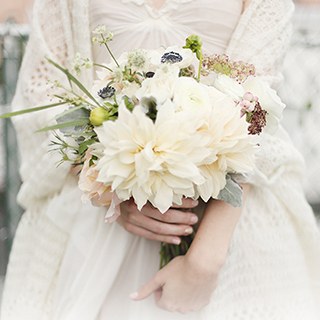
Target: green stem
pixel 112 56
pixel 73 79
pixel 200 67
pixel 76 95
pixel 102 66
pixel 170 251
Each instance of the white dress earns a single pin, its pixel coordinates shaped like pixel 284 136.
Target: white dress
pixel 67 264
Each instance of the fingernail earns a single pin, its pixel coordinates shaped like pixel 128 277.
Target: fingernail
pixel 176 241
pixel 195 202
pixel 133 295
pixel 189 230
pixel 194 219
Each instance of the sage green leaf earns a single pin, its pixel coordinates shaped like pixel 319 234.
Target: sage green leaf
pixel 232 193
pixel 73 114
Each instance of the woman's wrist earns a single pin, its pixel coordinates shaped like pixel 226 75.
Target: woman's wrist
pixel 210 246
pixel 208 265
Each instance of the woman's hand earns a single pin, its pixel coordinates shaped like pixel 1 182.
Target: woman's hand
pixel 181 286
pixel 187 282
pixel 151 224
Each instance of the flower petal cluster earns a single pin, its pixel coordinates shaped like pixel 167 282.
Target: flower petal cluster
pixel 149 161
pixel 269 101
pixel 160 86
pixel 184 153
pixel 267 97
pixel 232 149
pixel 96 192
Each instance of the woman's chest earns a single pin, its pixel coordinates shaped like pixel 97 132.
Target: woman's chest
pixel 160 9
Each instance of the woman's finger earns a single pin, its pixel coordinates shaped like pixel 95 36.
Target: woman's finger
pixel 171 216
pixel 187 203
pixel 159 227
pixel 150 287
pixel 141 232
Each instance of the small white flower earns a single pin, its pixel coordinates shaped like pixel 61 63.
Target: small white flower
pixel 79 62
pixel 160 86
pixel 100 29
pixel 177 56
pixel 137 59
pixel 189 94
pixel 103 36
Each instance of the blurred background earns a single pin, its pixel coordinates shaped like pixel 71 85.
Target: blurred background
pixel 14 29
pixel 300 90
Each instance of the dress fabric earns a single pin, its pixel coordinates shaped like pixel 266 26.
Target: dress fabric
pixel 67 264
pixel 140 24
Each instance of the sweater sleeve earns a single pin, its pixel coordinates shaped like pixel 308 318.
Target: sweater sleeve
pixel 50 37
pixel 262 38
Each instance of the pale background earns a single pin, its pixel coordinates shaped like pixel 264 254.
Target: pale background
pixel 17 9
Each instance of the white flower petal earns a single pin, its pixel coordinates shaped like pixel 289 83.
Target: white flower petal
pixel 163 197
pixel 229 86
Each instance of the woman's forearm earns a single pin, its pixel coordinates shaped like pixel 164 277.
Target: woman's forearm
pixel 210 246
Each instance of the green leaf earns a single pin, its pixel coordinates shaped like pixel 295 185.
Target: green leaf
pixel 232 193
pixel 73 79
pixel 84 145
pixel 129 104
pixel 79 122
pixel 30 110
pixel 70 110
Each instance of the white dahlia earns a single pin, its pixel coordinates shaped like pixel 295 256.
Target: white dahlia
pixel 156 162
pixel 232 149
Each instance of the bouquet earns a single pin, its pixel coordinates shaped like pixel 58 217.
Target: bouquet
pixel 160 125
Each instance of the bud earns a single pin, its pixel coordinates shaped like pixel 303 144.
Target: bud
pixel 194 43
pixel 98 116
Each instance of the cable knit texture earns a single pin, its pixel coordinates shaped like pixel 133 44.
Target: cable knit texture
pixel 66 264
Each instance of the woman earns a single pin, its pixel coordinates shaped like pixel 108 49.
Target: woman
pixel 67 264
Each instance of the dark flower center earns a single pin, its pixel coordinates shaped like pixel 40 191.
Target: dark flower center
pixel 106 92
pixel 149 74
pixel 171 57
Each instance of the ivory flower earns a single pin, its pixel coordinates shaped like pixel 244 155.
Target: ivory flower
pixel 232 149
pixel 93 191
pixel 179 57
pixel 160 85
pixel 156 162
pixel 189 94
pixel 268 99
pixel 229 86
